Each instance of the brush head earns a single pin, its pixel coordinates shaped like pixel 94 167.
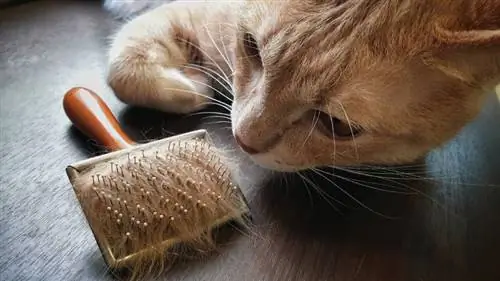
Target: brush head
pixel 147 203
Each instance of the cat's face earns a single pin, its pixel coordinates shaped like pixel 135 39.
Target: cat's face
pixel 349 83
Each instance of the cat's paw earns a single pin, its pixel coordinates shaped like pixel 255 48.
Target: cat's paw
pixel 150 65
pixel 181 92
pixel 166 89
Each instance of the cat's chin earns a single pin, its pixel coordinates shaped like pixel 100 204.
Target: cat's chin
pixel 267 162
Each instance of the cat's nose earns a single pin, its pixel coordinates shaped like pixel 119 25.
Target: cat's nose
pixel 245 147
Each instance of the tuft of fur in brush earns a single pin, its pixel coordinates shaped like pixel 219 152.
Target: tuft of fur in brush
pixel 150 204
pixel 146 207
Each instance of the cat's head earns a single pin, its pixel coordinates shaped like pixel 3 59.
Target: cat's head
pixel 359 82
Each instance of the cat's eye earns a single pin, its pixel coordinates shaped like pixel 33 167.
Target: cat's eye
pixel 336 128
pixel 251 49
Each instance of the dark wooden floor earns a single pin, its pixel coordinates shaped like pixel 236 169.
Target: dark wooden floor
pixel 440 221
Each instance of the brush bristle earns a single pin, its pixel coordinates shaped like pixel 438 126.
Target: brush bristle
pixel 147 202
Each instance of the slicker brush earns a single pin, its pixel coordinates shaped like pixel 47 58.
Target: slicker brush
pixel 150 204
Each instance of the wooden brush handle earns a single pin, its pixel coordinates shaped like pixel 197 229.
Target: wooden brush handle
pixel 90 114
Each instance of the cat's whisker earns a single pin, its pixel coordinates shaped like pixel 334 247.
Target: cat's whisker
pixel 280 176
pixel 247 56
pixel 327 197
pixel 228 106
pixel 366 184
pixel 224 55
pixel 210 103
pixel 221 105
pixel 223 121
pixel 219 122
pixel 166 132
pixel 351 196
pixel 350 128
pixel 211 112
pixel 409 166
pixel 388 171
pixel 216 102
pixel 226 60
pixel 414 176
pixel 287 186
pixel 314 123
pixel 221 118
pixel 307 189
pixel 222 75
pixel 252 48
pixel 207 56
pixel 205 70
pixel 406 165
pixel 334 144
pixel 221 36
pixel 394 173
pixel 391 179
pixel 419 192
pixel 223 83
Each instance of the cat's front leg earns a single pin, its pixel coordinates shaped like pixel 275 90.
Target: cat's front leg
pixel 153 62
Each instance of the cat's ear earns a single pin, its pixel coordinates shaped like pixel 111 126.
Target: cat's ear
pixel 466 37
pixel 479 25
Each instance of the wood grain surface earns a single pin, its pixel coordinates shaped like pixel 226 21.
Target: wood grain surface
pixel 436 220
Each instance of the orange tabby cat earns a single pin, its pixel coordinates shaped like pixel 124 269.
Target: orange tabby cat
pixel 320 82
